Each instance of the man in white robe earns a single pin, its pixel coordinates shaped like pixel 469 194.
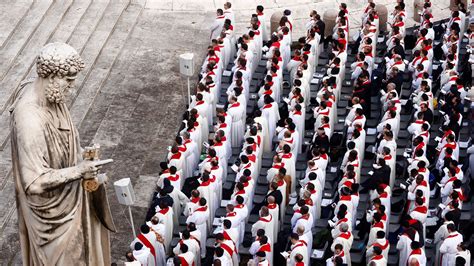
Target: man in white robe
pixel 176 158
pixel 186 256
pixel 193 156
pixel 273 171
pixel 463 254
pixel 149 239
pixel 200 217
pixel 274 210
pixel 393 120
pixel 265 222
pixel 206 190
pixel 203 108
pixel 228 12
pixel 237 111
pixel 345 238
pixel 199 131
pixel 266 144
pixel 229 248
pixel 271 113
pixel 381 243
pixel 298 118
pixel 298 248
pixel 404 247
pixel 165 216
pixel 417 254
pixel 448 249
pixel 262 22
pixel 441 234
pixel 259 246
pixel 377 259
pixel 143 255
pixel 192 244
pixel 179 199
pixel 288 158
pixel 304 221
pixel 231 233
pixel 192 204
pixel 172 175
pixel 242 211
pixel 216 27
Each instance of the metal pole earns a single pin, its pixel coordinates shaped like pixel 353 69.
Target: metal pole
pixel 131 220
pixel 189 93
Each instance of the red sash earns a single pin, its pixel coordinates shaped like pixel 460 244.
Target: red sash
pixel 147 243
pixel 266 247
pixel 383 247
pixel 227 248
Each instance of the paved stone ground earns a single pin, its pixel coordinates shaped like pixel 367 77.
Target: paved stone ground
pixel 130 97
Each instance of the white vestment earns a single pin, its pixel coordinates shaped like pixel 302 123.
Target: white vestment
pixel 166 215
pixel 271 113
pixel 266 223
pixel 200 217
pixel 237 112
pixel 448 249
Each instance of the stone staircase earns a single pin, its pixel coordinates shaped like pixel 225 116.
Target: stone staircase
pixel 97 29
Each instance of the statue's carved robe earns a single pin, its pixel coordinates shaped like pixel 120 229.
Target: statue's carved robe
pixel 66 225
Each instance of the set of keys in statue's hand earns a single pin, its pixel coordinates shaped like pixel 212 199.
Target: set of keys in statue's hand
pixel 92 176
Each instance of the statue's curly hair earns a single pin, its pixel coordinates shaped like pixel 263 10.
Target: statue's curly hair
pixel 58 59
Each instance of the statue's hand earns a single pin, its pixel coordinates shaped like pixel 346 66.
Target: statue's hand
pixel 91 167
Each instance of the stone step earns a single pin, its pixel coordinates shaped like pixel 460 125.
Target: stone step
pixel 72 20
pixel 95 88
pixel 75 22
pixel 7 204
pixel 22 34
pixel 88 24
pixel 65 28
pixel 101 69
pixel 25 59
pixel 5 166
pixel 96 44
pixel 14 12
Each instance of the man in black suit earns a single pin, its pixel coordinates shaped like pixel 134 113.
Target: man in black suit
pixel 272 192
pixel 321 25
pixel 427 113
pixel 397 49
pixel 381 175
pixel 362 90
pixel 321 140
pixel 161 195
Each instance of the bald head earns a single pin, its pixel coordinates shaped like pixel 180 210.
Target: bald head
pixel 271 199
pixel 300 230
pixel 344 227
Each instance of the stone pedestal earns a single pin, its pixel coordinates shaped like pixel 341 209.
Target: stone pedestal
pixel 329 18
pixel 275 21
pixel 383 17
pixel 417 7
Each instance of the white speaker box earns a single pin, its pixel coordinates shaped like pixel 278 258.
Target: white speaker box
pixel 124 191
pixel 186 64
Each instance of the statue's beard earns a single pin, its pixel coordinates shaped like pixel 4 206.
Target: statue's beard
pixel 55 94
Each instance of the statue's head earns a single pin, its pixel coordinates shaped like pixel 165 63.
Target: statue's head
pixel 59 63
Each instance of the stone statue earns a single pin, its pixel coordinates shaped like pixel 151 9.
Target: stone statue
pixel 60 223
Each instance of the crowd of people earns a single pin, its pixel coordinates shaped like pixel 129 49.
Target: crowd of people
pixel 257 119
